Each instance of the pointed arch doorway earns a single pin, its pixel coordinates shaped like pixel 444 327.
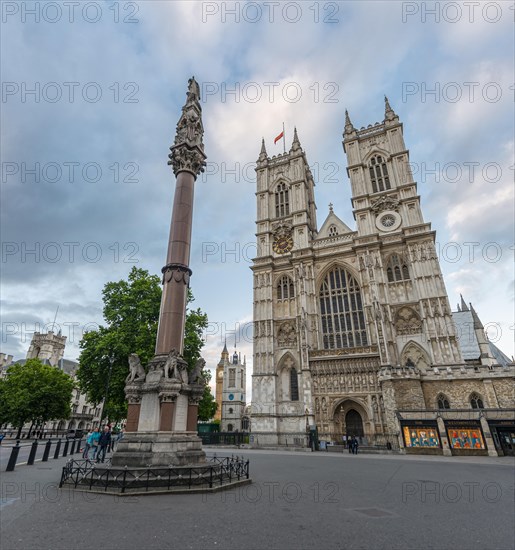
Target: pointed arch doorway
pixel 354 423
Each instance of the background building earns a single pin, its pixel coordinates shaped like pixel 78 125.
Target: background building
pixel 49 349
pixel 353 330
pixel 230 392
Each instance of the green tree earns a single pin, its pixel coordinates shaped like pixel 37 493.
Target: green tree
pixel 36 393
pixel 4 411
pixel 131 312
pixel 207 406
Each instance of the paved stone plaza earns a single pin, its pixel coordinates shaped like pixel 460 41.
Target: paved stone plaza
pixel 297 500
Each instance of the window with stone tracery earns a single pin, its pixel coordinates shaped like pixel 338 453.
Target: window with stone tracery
pixel 232 378
pixel 476 402
pixel 282 200
pixel 397 269
pixel 341 308
pixel 333 231
pixel 294 385
pixel 379 174
pixel 285 288
pixel 442 402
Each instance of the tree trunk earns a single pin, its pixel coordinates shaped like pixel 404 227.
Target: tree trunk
pixel 19 431
pixel 30 429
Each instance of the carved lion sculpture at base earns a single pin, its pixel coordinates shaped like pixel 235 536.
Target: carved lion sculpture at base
pixel 196 376
pixel 136 372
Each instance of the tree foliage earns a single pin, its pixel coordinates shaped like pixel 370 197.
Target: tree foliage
pixel 207 406
pixel 34 392
pixel 131 313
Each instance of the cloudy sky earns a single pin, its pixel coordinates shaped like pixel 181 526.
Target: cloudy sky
pixel 91 95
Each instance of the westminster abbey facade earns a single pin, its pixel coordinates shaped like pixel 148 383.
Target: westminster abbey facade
pixel 353 329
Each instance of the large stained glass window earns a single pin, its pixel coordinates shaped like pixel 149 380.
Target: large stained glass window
pixel 341 309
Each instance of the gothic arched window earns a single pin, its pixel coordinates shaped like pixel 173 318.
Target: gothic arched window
pixel 476 402
pixel 442 402
pixel 294 385
pixel 285 288
pixel 341 308
pixel 379 174
pixel 397 269
pixel 333 231
pixel 282 201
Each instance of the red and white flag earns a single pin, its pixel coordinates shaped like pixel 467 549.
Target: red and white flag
pixel 280 136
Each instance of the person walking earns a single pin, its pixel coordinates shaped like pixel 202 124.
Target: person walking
pixel 93 440
pixel 355 446
pixel 87 445
pixel 103 443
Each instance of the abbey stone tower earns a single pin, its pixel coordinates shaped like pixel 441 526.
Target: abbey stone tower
pixel 354 326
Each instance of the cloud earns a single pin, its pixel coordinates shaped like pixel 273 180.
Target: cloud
pixel 368 52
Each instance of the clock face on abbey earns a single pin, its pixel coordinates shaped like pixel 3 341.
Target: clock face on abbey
pixel 283 244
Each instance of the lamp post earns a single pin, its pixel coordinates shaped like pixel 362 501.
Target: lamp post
pixel 111 361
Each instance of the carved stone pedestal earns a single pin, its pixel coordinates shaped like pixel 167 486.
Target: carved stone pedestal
pixel 148 449
pixel 162 414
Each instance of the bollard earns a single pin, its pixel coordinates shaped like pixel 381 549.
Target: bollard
pixel 14 457
pixel 46 452
pixel 32 454
pixel 65 450
pixel 57 449
pixel 72 449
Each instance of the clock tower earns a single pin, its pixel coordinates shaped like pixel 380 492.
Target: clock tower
pixel 233 391
pixel 284 303
pixel 224 358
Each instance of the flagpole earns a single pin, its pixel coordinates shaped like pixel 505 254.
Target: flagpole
pixel 284 140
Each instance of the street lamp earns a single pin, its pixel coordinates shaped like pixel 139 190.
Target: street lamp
pixel 111 361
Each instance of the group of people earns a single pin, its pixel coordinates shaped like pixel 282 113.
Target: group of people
pixel 353 445
pixel 98 443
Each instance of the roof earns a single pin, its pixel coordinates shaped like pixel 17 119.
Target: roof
pixel 333 219
pixel 466 335
pixel 464 323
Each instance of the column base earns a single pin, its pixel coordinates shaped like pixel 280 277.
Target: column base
pixel 144 449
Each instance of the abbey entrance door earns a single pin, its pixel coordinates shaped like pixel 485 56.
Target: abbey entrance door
pixel 354 423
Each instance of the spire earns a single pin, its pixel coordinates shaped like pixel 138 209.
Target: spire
pixel 225 354
pixel 387 105
pixel 458 306
pixel 295 146
pixel 349 127
pixel 464 306
pixel 187 152
pixel 263 155
pixel 389 113
pixel 475 317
